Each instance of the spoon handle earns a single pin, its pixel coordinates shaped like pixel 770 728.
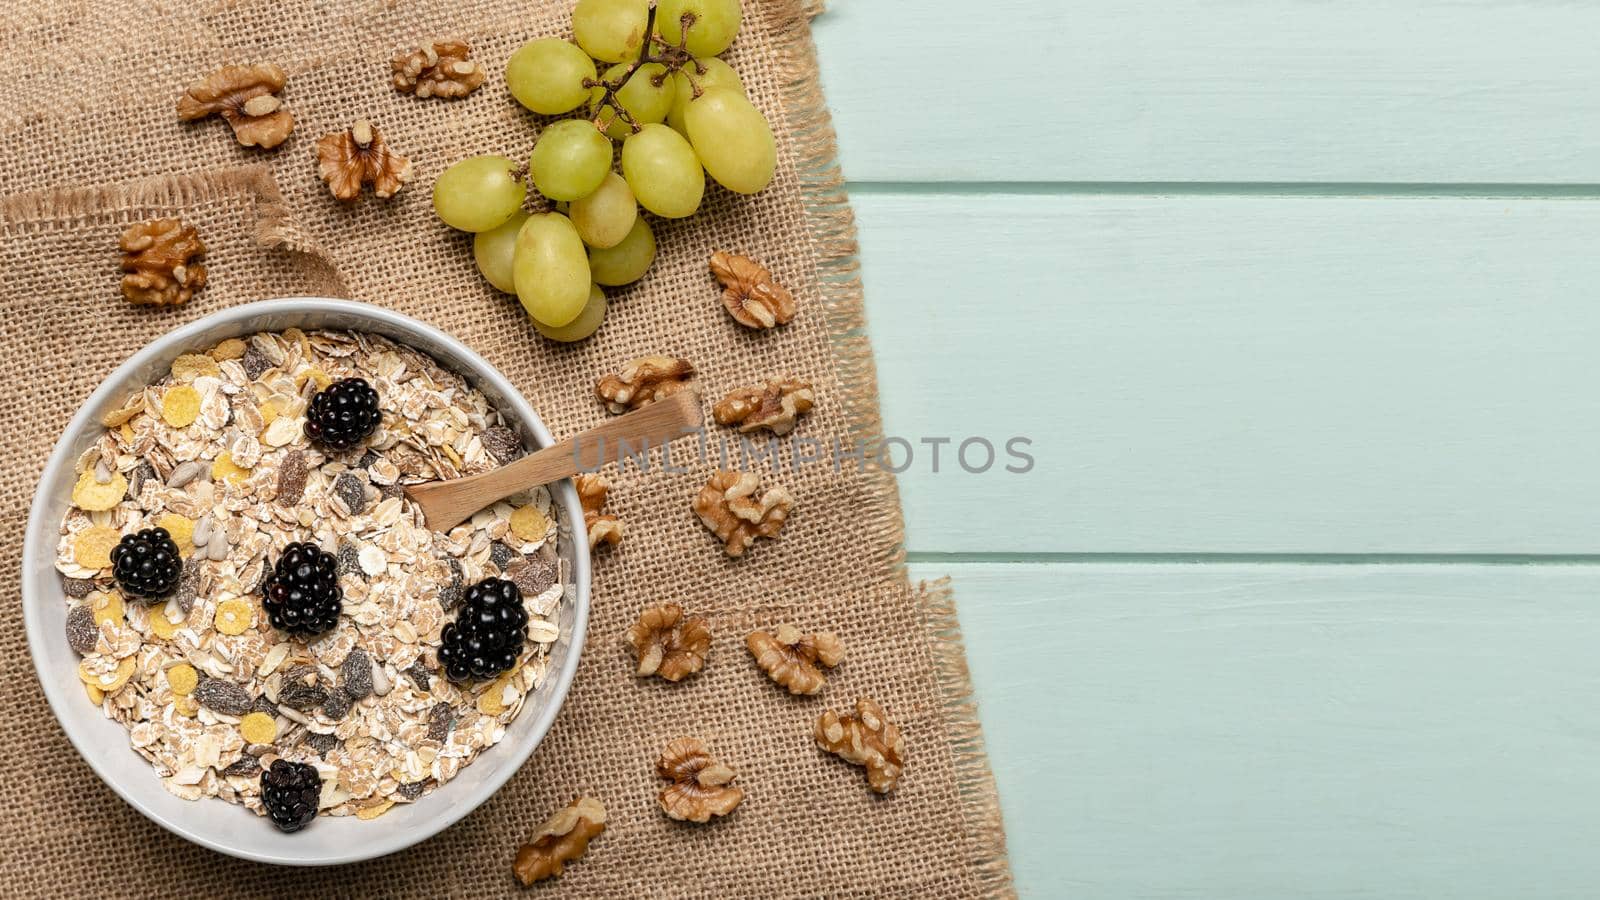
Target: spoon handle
pixel 446 504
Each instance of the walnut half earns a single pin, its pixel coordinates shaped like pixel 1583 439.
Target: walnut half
pixel 790 658
pixel 602 528
pixel 445 69
pixel 775 406
pixel 562 839
pixel 749 292
pixel 866 738
pixel 159 258
pixel 348 159
pixel 247 98
pixel 667 644
pixel 643 381
pixel 700 786
pixel 728 506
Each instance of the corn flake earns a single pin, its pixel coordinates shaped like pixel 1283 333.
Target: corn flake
pixel 271 410
pixel 529 524
pixel 109 682
pixel 96 696
pixel 161 626
pixel 258 728
pixel 224 467
pixel 182 530
pixel 299 337
pixel 92 495
pixel 182 678
pixel 187 706
pixel 233 617
pixel 372 812
pixel 232 348
pixel 180 406
pixel 316 375
pixel 134 406
pixel 126 432
pixel 492 701
pixel 190 366
pixel 91 547
pixel 107 607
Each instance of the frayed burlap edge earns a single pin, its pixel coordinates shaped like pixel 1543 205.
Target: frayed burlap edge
pixel 831 225
pixel 274 226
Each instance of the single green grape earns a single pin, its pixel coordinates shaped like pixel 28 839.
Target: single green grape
pixel 611 30
pixel 715 23
pixel 733 140
pixel 594 312
pixel 644 100
pixel 605 217
pixel 627 261
pixel 551 269
pixel 546 75
pixel 663 171
pixel 493 250
pixel 569 160
pixel 478 193
pixel 707 73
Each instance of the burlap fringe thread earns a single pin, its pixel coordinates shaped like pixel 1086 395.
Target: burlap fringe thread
pixel 274 225
pixel 832 224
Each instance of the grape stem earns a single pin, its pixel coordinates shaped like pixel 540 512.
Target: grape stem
pixel 671 57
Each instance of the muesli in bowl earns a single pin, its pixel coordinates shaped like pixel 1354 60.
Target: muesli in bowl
pixel 255 600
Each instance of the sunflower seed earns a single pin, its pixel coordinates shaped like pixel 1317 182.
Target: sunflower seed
pixel 185 472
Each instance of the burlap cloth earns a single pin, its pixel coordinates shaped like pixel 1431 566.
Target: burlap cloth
pixel 91 144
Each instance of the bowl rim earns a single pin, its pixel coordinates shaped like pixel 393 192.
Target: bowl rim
pixel 178 339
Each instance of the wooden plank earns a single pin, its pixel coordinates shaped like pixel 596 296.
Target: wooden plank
pixel 1228 90
pixel 1241 374
pixel 1269 731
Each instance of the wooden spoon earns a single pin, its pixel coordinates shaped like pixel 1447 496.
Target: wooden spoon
pixel 446 504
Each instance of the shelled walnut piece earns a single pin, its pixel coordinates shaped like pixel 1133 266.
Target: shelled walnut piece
pixel 159 257
pixel 729 507
pixel 749 292
pixel 562 839
pixel 443 69
pixel 667 644
pixel 866 738
pixel 247 98
pixel 790 658
pixel 348 159
pixel 602 528
pixel 701 787
pixel 643 381
pixel 774 406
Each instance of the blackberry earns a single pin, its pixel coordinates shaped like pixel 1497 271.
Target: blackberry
pixel 290 792
pixel 302 595
pixel 343 413
pixel 146 564
pixel 486 637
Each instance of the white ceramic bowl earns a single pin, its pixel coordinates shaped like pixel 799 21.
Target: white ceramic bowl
pixel 215 823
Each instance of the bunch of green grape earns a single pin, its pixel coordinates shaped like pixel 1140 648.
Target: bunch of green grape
pixel 679 113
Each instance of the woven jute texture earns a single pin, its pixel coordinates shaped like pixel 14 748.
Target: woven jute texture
pixel 92 144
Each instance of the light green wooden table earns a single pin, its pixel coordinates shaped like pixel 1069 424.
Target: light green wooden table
pixel 1299 303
